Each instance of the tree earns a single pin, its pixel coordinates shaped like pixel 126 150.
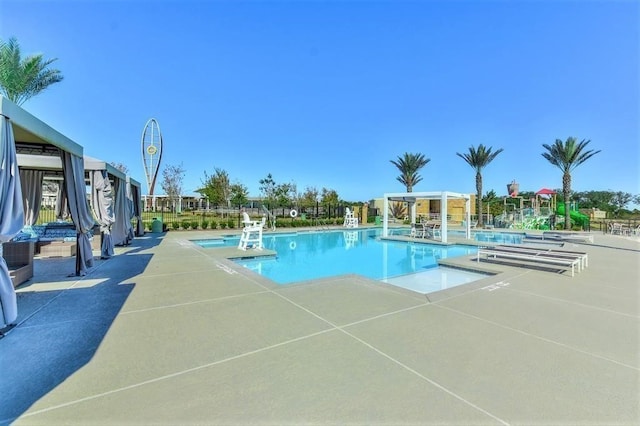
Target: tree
pixel 283 193
pixel 239 194
pixel 268 190
pixel 329 197
pixel 495 205
pixel 309 197
pixel 478 159
pixel 217 187
pixel 23 78
pixel 409 165
pixel 620 200
pixel 567 156
pixel 172 177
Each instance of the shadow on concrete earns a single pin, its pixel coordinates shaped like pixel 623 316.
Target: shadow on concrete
pixel 59 329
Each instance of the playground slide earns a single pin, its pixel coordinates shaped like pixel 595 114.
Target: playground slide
pixel 582 220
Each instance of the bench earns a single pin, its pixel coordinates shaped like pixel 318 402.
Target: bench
pixel 565 260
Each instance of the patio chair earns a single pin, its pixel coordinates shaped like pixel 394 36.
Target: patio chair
pixel 433 231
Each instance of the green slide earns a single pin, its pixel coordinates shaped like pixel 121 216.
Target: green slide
pixel 582 220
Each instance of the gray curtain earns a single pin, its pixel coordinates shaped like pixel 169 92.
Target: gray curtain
pixel 31 182
pixel 137 210
pixel 11 216
pixel 73 169
pixel 130 212
pixel 120 228
pixel 102 206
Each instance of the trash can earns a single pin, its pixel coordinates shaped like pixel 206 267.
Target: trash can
pixel 156 225
pixel 378 220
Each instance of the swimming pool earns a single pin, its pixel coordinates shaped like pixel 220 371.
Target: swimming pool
pixel 312 255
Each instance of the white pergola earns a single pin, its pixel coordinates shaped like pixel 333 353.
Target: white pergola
pixel 443 196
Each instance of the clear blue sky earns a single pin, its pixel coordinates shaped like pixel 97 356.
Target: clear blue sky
pixel 324 94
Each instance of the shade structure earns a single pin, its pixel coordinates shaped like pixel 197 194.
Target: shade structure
pixel 11 216
pixel 412 197
pixel 546 191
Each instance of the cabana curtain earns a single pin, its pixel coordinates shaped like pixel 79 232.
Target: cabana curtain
pixel 11 216
pixel 73 169
pixel 120 228
pixel 102 206
pixel 31 182
pixel 131 212
pixel 137 211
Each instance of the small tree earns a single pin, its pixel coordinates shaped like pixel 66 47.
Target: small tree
pixel 328 198
pixel 268 190
pixel 309 197
pixel 216 187
pixel 172 177
pixel 239 194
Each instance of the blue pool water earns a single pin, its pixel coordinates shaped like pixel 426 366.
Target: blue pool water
pixel 483 236
pixel 312 255
pixel 493 237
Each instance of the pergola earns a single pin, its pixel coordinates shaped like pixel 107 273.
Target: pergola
pixel 411 197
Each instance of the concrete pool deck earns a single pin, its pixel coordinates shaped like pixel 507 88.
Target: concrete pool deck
pixel 167 332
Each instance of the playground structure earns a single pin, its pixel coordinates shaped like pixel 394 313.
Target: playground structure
pixel 540 212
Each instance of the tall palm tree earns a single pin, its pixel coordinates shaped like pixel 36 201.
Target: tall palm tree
pixel 409 165
pixel 23 78
pixel 567 156
pixel 478 159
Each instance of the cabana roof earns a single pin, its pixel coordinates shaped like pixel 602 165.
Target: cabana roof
pixel 33 136
pixel 54 163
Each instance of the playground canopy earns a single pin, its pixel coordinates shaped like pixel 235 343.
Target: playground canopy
pixel 546 191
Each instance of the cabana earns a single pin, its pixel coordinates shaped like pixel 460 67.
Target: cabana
pixel 411 197
pixel 101 177
pixel 34 137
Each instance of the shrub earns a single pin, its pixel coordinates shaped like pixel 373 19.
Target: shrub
pixel 230 223
pixel 214 224
pixel 175 225
pixel 194 225
pixel 205 224
pixel 186 224
pixel 223 225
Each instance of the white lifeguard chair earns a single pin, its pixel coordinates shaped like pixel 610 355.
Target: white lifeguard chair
pixel 349 220
pixel 251 233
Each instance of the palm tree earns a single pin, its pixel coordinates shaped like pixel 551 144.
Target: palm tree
pixel 23 78
pixel 478 159
pixel 567 156
pixel 409 165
